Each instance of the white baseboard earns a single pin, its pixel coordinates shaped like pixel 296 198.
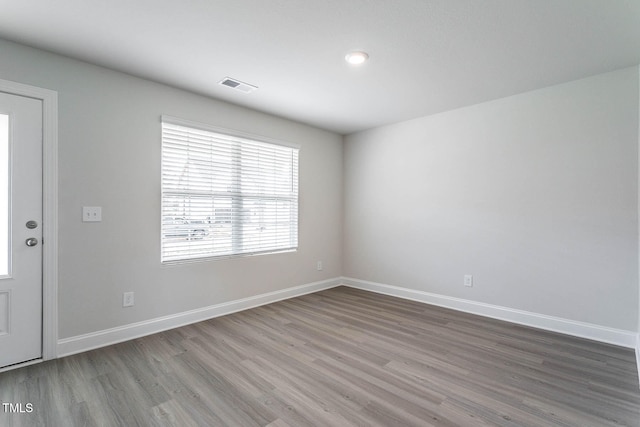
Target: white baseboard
pixel 590 331
pixel 90 341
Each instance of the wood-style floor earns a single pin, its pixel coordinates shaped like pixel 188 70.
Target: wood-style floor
pixel 340 357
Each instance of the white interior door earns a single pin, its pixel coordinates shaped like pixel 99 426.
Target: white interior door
pixel 20 229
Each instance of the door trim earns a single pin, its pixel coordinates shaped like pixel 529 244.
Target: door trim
pixel 49 100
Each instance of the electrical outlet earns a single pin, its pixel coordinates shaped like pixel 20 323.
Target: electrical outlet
pixel 319 266
pixel 127 299
pixel 468 280
pixel 91 214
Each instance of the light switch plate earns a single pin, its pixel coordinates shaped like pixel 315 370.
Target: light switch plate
pixel 91 214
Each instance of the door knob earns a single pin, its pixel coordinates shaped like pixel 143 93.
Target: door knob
pixel 31 241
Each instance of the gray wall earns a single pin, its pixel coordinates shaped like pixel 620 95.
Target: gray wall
pixel 109 156
pixel 535 195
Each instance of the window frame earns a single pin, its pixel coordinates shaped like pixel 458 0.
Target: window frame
pixel 231 133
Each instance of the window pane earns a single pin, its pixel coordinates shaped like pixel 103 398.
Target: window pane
pixel 4 195
pixel 267 225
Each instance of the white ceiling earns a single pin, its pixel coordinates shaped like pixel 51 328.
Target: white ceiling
pixel 426 56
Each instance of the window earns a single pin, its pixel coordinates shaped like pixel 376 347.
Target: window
pixel 225 195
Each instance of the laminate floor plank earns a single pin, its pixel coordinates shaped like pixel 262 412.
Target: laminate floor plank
pixel 328 399
pixel 340 357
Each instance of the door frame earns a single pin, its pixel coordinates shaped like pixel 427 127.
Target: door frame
pixel 49 100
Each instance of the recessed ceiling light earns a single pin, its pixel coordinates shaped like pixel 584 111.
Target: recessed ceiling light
pixel 356 58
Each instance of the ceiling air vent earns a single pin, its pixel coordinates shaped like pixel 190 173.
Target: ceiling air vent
pixel 237 85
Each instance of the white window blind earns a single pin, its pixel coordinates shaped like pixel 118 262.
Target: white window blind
pixel 225 195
